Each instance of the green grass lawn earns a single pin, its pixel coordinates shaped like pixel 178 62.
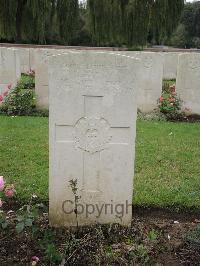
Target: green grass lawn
pixel 167 169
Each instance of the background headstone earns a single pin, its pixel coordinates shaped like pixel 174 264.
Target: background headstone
pixel 170 65
pixel 92 136
pixel 150 81
pixel 41 75
pixel 9 68
pixel 188 82
pixel 24 54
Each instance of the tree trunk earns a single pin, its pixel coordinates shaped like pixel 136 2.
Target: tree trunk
pixel 19 13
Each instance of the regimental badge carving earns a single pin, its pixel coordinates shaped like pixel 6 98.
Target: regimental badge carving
pixel 194 63
pixel 92 134
pixel 148 61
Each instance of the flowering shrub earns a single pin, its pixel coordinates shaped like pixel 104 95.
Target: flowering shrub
pixel 169 103
pixel 21 99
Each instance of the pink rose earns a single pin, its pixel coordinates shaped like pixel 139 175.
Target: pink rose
pixel 9 191
pixel 1 98
pixel 1 203
pixel 2 183
pixel 35 258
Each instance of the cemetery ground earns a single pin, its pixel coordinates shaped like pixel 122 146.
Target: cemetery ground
pixel 166 201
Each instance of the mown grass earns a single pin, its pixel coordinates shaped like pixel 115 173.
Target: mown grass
pixel 167 168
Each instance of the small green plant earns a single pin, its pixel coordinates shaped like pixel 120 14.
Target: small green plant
pixel 193 237
pixel 153 235
pixel 3 221
pixel 52 255
pixel 25 218
pixel 139 255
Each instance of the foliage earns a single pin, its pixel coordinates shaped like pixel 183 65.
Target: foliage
pixel 131 20
pixel 20 101
pixel 188 32
pixel 193 236
pixel 52 255
pixel 38 20
pixel 164 19
pixel 100 22
pixel 25 217
pixel 180 38
pixel 170 103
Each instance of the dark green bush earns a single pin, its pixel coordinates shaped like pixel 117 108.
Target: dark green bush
pixel 27 81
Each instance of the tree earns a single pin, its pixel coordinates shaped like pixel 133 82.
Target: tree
pixel 67 15
pixel 165 16
pixel 137 21
pixel 187 33
pixel 8 10
pixel 130 21
pixel 32 20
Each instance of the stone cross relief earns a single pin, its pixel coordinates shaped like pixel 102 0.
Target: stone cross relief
pixel 92 134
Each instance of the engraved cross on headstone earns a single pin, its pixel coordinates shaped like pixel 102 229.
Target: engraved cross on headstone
pixel 92 134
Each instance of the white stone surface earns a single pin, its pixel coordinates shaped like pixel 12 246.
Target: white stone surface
pixel 150 79
pixel 92 136
pixel 188 82
pixel 9 67
pixel 24 54
pixel 32 58
pixel 41 74
pixel 170 65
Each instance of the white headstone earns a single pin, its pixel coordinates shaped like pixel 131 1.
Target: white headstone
pixel 9 68
pixel 41 75
pixel 170 65
pixel 92 137
pixel 24 54
pixel 151 78
pixel 188 82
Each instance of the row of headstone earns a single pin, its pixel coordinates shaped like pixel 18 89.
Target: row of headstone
pixel 150 87
pixel 92 127
pixel 156 67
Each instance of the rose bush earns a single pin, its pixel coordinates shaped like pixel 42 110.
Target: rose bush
pixel 170 104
